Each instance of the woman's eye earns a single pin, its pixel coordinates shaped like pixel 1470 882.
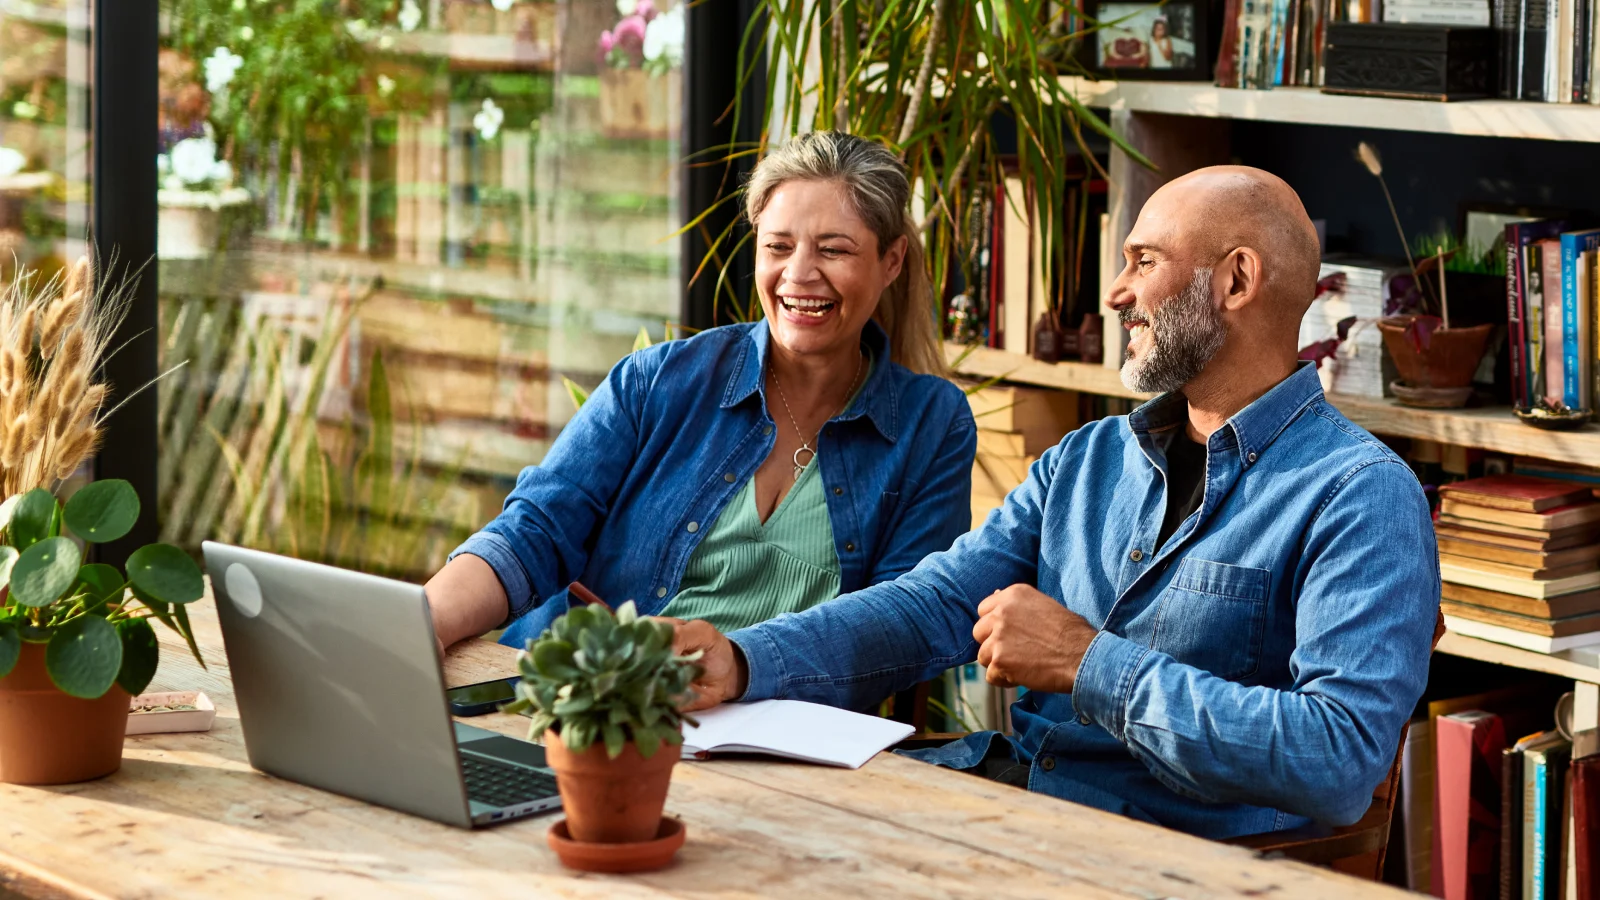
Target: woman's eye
pixel 833 251
pixel 778 248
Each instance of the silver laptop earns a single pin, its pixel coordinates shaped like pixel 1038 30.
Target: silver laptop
pixel 338 683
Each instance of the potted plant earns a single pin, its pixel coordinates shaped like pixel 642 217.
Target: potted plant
pixel 75 639
pixel 641 76
pixel 1436 361
pixel 603 691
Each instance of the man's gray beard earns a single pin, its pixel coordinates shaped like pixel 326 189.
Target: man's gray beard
pixel 1185 332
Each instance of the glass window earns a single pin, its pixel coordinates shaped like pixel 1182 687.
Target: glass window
pixel 389 234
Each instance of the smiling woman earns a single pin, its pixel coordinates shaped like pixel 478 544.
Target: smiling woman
pixel 754 469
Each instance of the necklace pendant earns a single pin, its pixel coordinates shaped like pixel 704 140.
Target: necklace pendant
pixel 799 465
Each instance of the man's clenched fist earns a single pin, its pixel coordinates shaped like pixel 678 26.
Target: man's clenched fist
pixel 1028 639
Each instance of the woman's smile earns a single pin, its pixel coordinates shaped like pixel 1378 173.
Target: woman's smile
pixel 808 309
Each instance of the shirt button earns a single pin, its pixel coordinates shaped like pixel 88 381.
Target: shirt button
pixel 1083 718
pixel 850 548
pixel 837 491
pixel 661 592
pixel 1251 456
pixel 766 431
pixel 729 477
pixel 693 527
pixel 1136 555
pixel 1047 763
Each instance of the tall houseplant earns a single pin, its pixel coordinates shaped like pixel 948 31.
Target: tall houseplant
pixel 75 638
pixel 929 78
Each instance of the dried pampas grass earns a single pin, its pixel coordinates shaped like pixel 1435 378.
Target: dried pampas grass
pixel 53 337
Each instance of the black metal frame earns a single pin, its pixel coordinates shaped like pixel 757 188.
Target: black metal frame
pixel 711 78
pixel 125 101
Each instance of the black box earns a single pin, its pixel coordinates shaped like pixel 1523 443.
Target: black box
pixel 1424 62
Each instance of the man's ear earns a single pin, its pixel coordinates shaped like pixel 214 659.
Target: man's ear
pixel 1241 279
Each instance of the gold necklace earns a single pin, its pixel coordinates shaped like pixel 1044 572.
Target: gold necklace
pixel 805 445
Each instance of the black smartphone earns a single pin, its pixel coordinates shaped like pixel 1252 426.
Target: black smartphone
pixel 483 697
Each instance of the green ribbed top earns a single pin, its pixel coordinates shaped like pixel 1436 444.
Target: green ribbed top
pixel 744 572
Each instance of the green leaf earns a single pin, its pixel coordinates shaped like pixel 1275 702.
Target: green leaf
pixel 44 571
pixel 140 655
pixel 648 740
pixel 627 613
pixel 615 740
pixel 641 342
pixel 35 518
pixel 84 657
pixel 7 508
pixel 553 659
pixel 8 558
pixel 10 648
pixel 575 705
pixel 578 395
pixel 166 573
pixel 102 511
pixel 103 583
pixel 181 615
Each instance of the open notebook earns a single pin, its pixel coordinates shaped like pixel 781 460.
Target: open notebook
pixel 794 730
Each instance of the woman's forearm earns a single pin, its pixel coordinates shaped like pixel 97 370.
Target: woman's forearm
pixel 466 599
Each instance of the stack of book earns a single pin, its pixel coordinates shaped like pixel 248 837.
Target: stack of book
pixel 1520 560
pixel 1015 426
pixel 1467 13
pixel 1552 280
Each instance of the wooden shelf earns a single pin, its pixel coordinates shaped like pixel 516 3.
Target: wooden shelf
pixel 1491 428
pixel 1309 106
pixel 1562 664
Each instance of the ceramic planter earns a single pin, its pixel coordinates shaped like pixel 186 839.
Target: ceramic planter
pixel 188 222
pixel 636 104
pixel 48 737
pixel 1448 361
pixel 611 801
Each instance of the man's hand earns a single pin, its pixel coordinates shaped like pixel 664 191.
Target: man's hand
pixel 723 674
pixel 1028 639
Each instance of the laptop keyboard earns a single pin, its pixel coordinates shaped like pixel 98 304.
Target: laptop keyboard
pixel 500 784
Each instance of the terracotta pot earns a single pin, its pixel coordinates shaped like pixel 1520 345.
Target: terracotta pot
pixel 47 737
pixel 611 801
pixel 1449 360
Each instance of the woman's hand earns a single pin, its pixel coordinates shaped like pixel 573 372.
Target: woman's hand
pixel 723 674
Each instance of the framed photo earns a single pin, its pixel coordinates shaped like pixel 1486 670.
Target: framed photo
pixel 1153 41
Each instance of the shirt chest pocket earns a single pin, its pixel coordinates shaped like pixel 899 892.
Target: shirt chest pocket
pixel 1213 616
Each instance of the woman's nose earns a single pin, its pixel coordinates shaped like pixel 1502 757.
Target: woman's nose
pixel 801 267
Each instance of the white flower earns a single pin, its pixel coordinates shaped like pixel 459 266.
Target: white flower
pixel 221 172
pixel 663 37
pixel 11 161
pixel 22 109
pixel 501 5
pixel 386 42
pixel 220 67
pixel 246 33
pixel 193 160
pixel 626 8
pixel 489 119
pixel 358 29
pixel 410 15
pixel 385 85
pixel 163 164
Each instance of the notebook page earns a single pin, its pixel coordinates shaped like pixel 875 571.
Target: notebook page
pixel 794 729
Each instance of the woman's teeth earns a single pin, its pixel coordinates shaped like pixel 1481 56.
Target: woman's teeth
pixel 807 306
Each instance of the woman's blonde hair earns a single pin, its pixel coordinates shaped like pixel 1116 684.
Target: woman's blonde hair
pixel 880 191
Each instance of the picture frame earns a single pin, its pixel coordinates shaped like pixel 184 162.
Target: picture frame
pixel 1149 41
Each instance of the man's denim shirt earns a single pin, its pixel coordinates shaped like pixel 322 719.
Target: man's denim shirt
pixel 1250 675
pixel 673 433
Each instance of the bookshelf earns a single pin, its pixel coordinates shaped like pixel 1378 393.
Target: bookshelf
pixel 1309 106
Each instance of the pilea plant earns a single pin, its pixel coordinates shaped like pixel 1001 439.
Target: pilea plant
pixel 94 622
pixel 595 676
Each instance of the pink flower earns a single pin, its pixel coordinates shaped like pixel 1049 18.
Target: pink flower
pixel 645 10
pixel 607 41
pixel 629 34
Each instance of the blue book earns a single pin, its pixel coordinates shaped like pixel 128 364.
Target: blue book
pixel 1544 762
pixel 1575 364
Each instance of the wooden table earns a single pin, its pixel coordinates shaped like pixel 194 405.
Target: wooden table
pixel 187 817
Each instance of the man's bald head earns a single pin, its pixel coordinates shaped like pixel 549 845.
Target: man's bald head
pixel 1213 211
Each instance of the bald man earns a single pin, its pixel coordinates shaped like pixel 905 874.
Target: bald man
pixel 1221 605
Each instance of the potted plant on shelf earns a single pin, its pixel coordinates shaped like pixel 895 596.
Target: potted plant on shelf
pixel 641 76
pixel 1435 360
pixel 75 639
pixel 603 690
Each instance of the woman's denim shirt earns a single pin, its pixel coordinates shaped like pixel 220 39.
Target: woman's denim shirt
pixel 662 446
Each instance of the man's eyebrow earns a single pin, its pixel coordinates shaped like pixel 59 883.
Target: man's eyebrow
pixel 1139 248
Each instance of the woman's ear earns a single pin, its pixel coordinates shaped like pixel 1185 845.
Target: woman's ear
pixel 894 259
pixel 1240 278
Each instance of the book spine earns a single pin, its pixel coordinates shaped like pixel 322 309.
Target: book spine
pixel 1541 815
pixel 1586 826
pixel 1535 19
pixel 1550 71
pixel 1580 51
pixel 1511 825
pixel 1227 71
pixel 1590 295
pixel 1570 371
pixel 1530 824
pixel 1514 320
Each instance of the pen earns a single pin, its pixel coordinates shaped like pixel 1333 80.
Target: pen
pixel 577 589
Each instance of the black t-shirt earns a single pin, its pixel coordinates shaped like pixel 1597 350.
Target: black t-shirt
pixel 1186 482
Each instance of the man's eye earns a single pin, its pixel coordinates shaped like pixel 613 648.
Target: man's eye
pixel 1146 262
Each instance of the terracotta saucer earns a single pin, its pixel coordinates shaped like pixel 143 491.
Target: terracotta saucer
pixel 640 857
pixel 1430 398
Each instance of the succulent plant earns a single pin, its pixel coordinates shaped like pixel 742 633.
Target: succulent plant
pixel 595 676
pixel 93 621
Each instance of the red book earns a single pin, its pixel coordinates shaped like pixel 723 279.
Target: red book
pixel 1586 825
pixel 1520 493
pixel 1467 805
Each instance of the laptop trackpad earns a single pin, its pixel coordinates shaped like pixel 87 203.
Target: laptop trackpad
pixel 487 743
